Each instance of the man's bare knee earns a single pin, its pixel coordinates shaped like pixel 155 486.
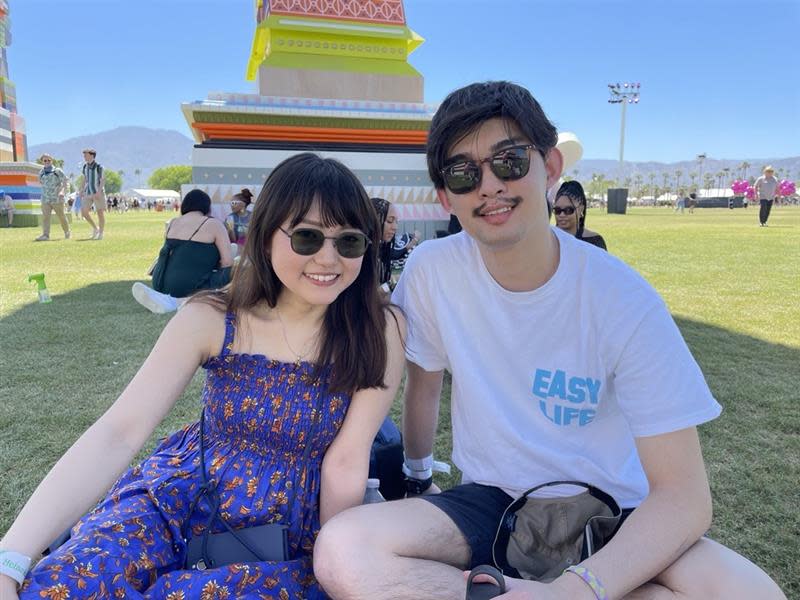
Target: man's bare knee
pixel 365 546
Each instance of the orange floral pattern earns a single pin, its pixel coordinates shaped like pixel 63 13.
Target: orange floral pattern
pixel 259 414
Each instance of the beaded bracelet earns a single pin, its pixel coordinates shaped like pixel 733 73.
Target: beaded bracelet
pixel 590 579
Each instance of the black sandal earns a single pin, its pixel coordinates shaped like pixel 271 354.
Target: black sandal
pixel 484 591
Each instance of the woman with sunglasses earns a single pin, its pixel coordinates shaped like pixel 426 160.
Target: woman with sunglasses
pixel 239 218
pixel 570 212
pixel 303 357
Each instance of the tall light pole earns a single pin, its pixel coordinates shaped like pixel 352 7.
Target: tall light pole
pixel 623 93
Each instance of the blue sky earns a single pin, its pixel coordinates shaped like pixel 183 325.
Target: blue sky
pixel 718 76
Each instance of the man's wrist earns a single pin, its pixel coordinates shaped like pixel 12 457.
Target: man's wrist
pixel 416 487
pixel 579 583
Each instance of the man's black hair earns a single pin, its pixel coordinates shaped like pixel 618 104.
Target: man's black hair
pixel 465 109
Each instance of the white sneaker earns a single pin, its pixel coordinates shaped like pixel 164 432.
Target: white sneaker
pixel 94 234
pixel 42 238
pixel 67 234
pixel 154 301
pixel 99 235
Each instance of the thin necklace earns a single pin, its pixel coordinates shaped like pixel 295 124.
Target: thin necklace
pixel 298 356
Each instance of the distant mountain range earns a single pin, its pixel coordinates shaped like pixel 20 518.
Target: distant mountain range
pixel 123 148
pixel 132 148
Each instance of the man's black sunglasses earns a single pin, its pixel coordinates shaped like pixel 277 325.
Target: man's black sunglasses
pixel 507 164
pixel 308 241
pixel 567 210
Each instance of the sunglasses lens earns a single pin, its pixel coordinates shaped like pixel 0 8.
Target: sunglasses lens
pixel 569 210
pixel 511 164
pixel 307 241
pixel 351 245
pixel 462 178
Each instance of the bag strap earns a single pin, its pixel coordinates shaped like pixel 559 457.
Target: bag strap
pixel 209 489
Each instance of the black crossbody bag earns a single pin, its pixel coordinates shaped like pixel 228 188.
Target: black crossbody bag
pixel 262 543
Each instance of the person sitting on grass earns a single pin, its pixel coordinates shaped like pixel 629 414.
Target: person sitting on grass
pixel 196 255
pixel 549 384
pixel 303 358
pixel 238 220
pixel 7 208
pixel 570 212
pixel 389 251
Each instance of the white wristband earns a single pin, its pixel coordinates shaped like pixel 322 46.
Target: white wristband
pixel 14 564
pixel 414 474
pixel 419 464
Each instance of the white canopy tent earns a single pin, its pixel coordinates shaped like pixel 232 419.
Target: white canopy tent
pixel 166 196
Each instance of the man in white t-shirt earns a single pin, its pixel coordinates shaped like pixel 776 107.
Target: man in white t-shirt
pixel 556 351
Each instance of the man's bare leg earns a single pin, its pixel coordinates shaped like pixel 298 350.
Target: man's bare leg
pixel 391 551
pixel 87 214
pixel 710 570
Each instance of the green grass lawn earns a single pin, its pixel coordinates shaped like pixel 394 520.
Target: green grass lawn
pixel 732 286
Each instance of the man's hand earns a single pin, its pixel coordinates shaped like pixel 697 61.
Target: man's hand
pixel 521 589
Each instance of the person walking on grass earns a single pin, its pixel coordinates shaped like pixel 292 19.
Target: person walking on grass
pixel 54 189
pixel 548 385
pixel 92 193
pixel 766 187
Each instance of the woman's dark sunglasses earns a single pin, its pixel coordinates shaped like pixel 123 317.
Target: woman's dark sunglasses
pixel 567 210
pixel 350 244
pixel 508 164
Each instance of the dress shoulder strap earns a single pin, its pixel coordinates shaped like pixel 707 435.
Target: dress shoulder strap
pixel 198 229
pixel 230 333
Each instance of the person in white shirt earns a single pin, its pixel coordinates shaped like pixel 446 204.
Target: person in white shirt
pixel 766 188
pixel 549 384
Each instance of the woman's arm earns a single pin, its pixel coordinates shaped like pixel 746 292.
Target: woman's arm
pixel 89 468
pixel 223 243
pixel 346 463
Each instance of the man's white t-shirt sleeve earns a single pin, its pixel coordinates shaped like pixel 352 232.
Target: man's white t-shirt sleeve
pixel 658 384
pixel 424 346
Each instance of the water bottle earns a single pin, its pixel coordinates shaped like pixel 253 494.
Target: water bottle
pixel 373 494
pixel 38 279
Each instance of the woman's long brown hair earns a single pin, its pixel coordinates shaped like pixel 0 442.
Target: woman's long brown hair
pixel 353 330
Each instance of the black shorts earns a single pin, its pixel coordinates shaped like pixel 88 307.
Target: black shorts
pixel 476 510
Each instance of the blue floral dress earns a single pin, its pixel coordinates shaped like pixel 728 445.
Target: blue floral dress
pixel 259 413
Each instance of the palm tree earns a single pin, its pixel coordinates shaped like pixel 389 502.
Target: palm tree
pixel 720 175
pixel 678 175
pixel 744 166
pixel 137 172
pixel 708 180
pixel 665 176
pixel 638 179
pixel 693 178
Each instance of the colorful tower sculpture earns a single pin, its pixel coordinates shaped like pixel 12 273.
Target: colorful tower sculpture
pixel 18 178
pixel 333 77
pixel 13 143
